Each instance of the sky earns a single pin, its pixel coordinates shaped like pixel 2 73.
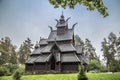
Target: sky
pixel 20 19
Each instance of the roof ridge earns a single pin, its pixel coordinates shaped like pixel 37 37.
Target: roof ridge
pixel 48 57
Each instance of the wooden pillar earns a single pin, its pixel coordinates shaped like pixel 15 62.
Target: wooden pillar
pixel 59 66
pixel 33 69
pixel 46 66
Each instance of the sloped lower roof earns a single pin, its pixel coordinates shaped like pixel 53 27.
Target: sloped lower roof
pixel 69 58
pixel 31 60
pixel 43 58
pixel 37 51
pixel 67 36
pixel 66 47
pixel 62 47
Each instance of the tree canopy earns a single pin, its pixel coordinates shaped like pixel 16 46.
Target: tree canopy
pixel 90 4
pixel 25 50
pixel 7 51
pixel 110 48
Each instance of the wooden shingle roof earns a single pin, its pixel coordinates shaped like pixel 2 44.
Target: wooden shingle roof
pixel 67 36
pixel 66 47
pixel 69 58
pixel 31 59
pixel 43 58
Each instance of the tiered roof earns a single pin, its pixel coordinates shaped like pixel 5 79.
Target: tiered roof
pixel 67 51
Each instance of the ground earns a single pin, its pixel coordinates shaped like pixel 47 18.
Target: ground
pixel 91 76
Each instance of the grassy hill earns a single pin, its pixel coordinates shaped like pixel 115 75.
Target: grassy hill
pixel 91 76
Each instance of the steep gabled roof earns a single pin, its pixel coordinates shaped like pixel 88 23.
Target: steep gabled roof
pixel 67 36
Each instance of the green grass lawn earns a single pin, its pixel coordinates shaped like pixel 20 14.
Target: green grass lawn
pixel 91 76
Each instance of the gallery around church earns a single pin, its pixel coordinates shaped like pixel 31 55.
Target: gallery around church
pixel 58 53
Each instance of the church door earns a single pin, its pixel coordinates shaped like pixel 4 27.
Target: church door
pixel 52 63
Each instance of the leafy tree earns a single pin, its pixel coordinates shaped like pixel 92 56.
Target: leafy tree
pixel 90 4
pixel 89 50
pixel 110 49
pixel 94 65
pixel 7 51
pixel 118 49
pixel 25 50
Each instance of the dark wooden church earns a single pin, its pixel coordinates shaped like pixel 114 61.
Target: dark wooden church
pixel 57 53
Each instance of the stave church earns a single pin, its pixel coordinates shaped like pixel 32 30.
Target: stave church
pixel 57 53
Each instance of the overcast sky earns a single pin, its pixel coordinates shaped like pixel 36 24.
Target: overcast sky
pixel 20 19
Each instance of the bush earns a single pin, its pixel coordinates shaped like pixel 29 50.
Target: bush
pixel 17 75
pixel 19 72
pixel 82 75
pixel 4 71
pixel 12 68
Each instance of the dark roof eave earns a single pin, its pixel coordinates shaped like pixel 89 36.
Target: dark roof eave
pixel 45 52
pixel 59 40
pixel 40 62
pixel 69 51
pixel 29 63
pixel 71 62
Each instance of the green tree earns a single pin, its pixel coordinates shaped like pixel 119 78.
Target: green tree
pixel 94 65
pixel 110 50
pixel 90 4
pixel 89 50
pixel 92 58
pixel 25 50
pixel 7 51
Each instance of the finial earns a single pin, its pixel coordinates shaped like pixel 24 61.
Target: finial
pixel 50 28
pixel 57 20
pixel 67 19
pixel 62 15
pixel 73 25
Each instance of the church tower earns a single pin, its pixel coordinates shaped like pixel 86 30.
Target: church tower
pixel 62 25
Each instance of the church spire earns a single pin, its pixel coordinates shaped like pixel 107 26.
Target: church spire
pixel 62 18
pixel 62 25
